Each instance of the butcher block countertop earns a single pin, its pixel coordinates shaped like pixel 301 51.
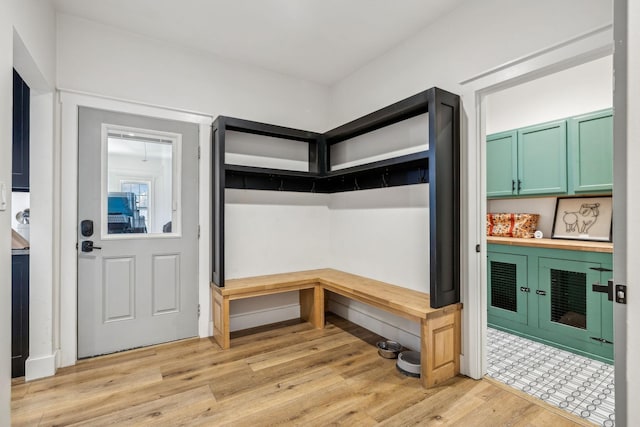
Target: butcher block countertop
pixel 571 245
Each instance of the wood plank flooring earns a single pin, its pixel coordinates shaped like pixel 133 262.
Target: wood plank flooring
pixel 285 374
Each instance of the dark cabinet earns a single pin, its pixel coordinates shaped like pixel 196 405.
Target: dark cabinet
pixel 21 93
pixel 19 313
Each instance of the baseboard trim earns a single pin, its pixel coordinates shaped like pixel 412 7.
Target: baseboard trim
pixel 40 367
pixel 251 319
pixel 382 324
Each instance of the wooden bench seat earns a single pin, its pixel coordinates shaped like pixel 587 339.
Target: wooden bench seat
pixel 440 327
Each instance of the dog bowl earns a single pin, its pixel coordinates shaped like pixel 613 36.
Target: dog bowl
pixel 388 349
pixel 409 363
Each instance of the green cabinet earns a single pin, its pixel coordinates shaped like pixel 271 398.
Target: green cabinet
pixel 591 151
pixel 502 160
pixel 527 162
pixel 508 286
pixel 571 156
pixel 552 296
pixel 542 159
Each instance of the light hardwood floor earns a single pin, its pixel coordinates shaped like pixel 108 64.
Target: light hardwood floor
pixel 286 374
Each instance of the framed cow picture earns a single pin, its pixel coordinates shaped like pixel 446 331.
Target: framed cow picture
pixel 583 218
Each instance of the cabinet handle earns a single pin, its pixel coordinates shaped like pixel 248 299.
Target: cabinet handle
pixel 602 340
pixel 539 292
pixel 519 185
pixel 601 269
pixel 513 185
pixel 524 289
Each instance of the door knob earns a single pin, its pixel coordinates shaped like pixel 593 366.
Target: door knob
pixel 87 246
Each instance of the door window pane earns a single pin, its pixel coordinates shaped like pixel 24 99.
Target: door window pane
pixel 140 184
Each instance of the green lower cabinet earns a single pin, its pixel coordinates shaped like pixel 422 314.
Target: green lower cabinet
pixel 508 291
pixel 552 296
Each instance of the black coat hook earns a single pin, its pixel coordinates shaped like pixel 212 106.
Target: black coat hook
pixel 384 181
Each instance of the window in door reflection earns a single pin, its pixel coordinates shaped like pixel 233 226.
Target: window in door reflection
pixel 139 184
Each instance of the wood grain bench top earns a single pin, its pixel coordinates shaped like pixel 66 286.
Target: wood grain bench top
pixel 402 301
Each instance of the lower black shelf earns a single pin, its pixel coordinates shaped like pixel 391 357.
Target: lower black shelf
pixel 406 170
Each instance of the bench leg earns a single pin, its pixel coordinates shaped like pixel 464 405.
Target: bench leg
pixel 312 306
pixel 220 306
pixel 440 342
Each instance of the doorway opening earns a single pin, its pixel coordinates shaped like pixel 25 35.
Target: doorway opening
pixel 549 145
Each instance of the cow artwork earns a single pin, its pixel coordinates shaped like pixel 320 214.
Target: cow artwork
pixel 582 219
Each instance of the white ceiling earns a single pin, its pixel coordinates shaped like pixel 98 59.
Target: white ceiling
pixel 317 40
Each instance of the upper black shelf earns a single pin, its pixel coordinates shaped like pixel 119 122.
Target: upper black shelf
pixel 394 113
pixel 402 170
pixel 266 129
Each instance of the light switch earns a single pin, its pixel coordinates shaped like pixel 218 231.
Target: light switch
pixel 3 196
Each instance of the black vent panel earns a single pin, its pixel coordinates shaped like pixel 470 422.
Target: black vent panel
pixel 569 298
pixel 503 286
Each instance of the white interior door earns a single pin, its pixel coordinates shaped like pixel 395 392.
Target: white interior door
pixel 137 231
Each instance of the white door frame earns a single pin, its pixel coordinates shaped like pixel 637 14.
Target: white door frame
pixel 579 50
pixel 68 310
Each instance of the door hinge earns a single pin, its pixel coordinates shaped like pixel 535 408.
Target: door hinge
pixel 198 231
pixel 199 153
pixel 198 310
pixel 621 293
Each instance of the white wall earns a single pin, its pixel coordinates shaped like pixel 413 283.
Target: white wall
pixel 475 38
pixel 6 85
pixel 269 232
pixel 626 204
pixel 98 59
pixel 27 41
pixel 472 39
pixel 578 90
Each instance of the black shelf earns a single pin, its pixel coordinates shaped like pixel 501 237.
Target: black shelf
pixel 439 166
pixel 394 113
pixel 241 169
pixel 266 129
pixel 418 160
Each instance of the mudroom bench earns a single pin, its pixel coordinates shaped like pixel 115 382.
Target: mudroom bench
pixel 440 327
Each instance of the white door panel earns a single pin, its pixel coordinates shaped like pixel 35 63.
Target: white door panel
pixel 138 184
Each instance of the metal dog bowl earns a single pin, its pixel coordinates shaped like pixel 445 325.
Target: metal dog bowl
pixel 388 349
pixel 409 363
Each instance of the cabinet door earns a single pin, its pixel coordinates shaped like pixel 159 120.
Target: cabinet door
pixel 542 159
pixel 19 314
pixel 507 288
pixel 591 152
pixel 501 164
pixel 20 155
pixel 567 304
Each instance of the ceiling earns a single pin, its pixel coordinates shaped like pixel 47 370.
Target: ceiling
pixel 317 40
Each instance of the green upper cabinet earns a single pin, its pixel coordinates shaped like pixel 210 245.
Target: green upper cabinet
pixel 572 156
pixel 542 159
pixel 527 162
pixel 591 151
pixel 502 159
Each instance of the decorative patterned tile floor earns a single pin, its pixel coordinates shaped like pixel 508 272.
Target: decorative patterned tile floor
pixel 574 383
